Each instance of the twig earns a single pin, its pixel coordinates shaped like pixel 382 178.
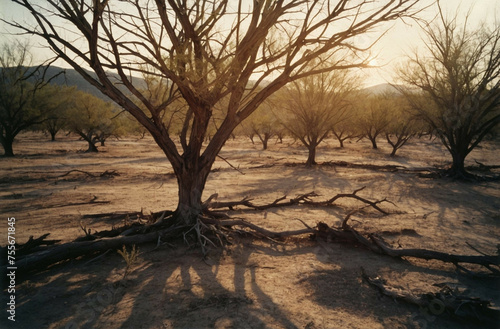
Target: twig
pixel 241 172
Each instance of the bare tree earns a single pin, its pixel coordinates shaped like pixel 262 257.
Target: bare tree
pixel 373 116
pixel 208 51
pixel 345 128
pixel 456 85
pixel 19 85
pixel 314 104
pixel 402 125
pixel 262 123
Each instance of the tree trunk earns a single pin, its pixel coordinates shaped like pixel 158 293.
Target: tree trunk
pixel 7 146
pixel 53 135
pixel 264 139
pixel 92 147
pixel 458 166
pixel 191 182
pixel 311 159
pixel 374 142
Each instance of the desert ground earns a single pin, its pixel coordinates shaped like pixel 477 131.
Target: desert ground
pixel 252 283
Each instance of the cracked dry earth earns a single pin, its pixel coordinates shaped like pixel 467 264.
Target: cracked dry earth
pixel 297 283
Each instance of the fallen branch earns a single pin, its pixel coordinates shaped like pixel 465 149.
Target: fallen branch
pixel 33 245
pixel 302 199
pixel 71 250
pixel 483 260
pixel 107 173
pixel 444 302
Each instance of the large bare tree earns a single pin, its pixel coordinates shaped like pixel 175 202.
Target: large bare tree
pixel 455 85
pixel 239 52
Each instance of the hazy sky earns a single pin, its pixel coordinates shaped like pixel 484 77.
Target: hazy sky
pixel 401 38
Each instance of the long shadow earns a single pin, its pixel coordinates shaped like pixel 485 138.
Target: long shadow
pixel 71 293
pixel 199 295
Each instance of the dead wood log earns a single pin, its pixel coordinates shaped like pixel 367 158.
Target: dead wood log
pixel 446 301
pixel 347 234
pixel 40 260
pixel 31 244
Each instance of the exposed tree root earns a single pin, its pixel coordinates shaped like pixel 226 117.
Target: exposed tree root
pixel 446 301
pixel 211 231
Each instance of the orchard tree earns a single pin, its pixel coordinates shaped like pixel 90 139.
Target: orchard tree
pixel 314 104
pixel 455 85
pixel 402 126
pixel 263 124
pixel 209 51
pixel 345 128
pixel 373 116
pixel 93 119
pixel 56 100
pixel 20 86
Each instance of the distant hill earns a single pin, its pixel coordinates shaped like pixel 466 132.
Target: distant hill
pixel 381 89
pixel 72 78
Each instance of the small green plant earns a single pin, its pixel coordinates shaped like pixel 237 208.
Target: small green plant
pixel 130 258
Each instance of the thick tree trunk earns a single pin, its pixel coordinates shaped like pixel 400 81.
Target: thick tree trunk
pixel 53 135
pixel 7 146
pixel 374 142
pixel 191 182
pixel 458 166
pixel 92 147
pixel 311 159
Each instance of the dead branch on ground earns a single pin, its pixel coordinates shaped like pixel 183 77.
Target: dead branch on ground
pixel 213 231
pixel 446 301
pixel 302 199
pixel 107 173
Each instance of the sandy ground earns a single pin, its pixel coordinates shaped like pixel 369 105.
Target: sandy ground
pixel 252 284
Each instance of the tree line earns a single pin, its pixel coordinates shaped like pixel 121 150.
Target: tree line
pixel 210 65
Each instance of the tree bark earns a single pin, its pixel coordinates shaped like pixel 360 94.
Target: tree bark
pixel 7 146
pixel 458 166
pixel 191 182
pixel 311 159
pixel 92 147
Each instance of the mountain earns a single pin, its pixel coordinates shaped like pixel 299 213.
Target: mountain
pixel 70 77
pixel 381 89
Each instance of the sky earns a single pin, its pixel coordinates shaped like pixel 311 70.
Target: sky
pixel 401 39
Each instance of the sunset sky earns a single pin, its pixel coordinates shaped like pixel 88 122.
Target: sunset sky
pixel 388 52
